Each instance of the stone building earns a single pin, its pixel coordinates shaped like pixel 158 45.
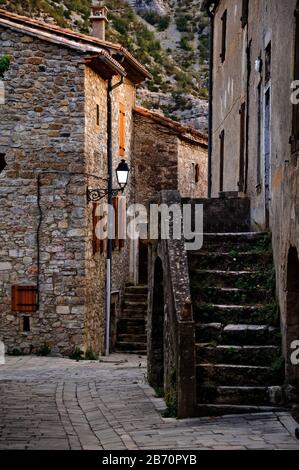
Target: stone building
pixel 254 132
pixel 53 147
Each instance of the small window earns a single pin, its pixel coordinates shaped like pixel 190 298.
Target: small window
pixel 98 115
pixel 2 162
pixel 224 28
pixel 245 8
pixel 221 169
pixel 268 63
pixel 24 299
pixel 26 324
pixel 197 173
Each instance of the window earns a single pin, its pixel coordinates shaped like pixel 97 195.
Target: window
pixel 221 137
pixel 242 147
pixel 2 162
pixel 119 204
pixel 259 139
pixel 224 27
pixel 295 121
pixel 268 54
pixel 245 8
pixel 196 173
pixel 24 298
pixel 122 129
pixel 98 115
pixel 26 324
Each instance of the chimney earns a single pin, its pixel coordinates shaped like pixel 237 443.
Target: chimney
pixel 98 20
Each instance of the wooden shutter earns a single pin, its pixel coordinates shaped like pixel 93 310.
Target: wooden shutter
pixel 295 120
pixel 24 298
pixel 119 204
pixel 224 28
pixel 242 148
pixel 95 220
pixel 245 8
pixel 222 135
pixel 122 129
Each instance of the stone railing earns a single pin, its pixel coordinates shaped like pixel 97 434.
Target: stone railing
pixel 177 326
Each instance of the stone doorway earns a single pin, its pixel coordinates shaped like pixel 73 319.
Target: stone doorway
pixel 156 330
pixel 292 319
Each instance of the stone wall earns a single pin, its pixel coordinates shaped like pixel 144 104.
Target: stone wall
pixel 42 130
pixel 192 159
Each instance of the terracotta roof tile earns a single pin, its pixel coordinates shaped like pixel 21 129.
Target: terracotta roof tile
pixel 174 125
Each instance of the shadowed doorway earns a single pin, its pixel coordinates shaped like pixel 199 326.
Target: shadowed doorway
pixel 292 311
pixel 156 346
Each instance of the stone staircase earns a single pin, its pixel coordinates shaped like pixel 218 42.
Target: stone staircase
pixel 131 326
pixel 239 367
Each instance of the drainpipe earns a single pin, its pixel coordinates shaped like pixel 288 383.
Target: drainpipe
pixel 110 204
pixel 211 14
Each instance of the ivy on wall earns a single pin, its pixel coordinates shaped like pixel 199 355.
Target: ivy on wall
pixel 4 64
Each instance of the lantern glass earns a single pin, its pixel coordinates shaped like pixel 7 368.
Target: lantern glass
pixel 122 174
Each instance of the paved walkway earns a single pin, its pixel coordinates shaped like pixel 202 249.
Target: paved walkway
pixel 50 403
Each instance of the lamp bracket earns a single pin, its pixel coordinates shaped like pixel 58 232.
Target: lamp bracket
pixel 95 195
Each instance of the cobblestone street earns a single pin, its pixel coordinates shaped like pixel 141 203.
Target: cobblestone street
pixel 50 403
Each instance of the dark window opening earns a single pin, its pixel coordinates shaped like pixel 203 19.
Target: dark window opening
pixel 245 9
pixel 268 53
pixel 242 148
pixel 98 115
pixel 197 173
pixel 222 135
pixel 259 140
pixel 2 162
pixel 224 28
pixel 26 324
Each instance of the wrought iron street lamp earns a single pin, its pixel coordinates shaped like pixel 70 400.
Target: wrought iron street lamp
pixel 122 175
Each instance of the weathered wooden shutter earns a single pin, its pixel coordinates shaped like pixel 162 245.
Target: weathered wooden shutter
pixel 122 129
pixel 242 147
pixel 245 9
pixel 221 169
pixel 24 298
pixel 295 123
pixel 119 204
pixel 224 28
pixel 95 219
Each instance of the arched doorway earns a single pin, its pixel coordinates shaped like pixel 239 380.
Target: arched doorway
pixel 156 340
pixel 292 312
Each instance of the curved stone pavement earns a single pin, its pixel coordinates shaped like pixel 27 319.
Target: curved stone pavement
pixel 54 403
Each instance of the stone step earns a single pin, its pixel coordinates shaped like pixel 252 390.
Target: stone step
pixel 136 306
pixel 236 375
pixel 222 410
pixel 252 396
pixel 238 355
pixel 238 335
pixel 130 347
pixel 229 261
pixel 235 279
pixel 230 295
pixel 236 242
pixel 257 314
pixel 132 314
pixel 132 338
pixel 131 327
pixel 137 290
pixel 135 297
